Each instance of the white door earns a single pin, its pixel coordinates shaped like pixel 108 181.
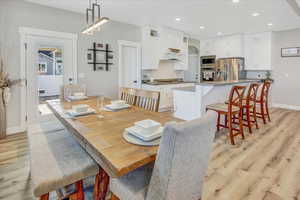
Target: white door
pixel 129 64
pixel 33 45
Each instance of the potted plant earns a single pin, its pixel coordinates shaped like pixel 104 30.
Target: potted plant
pixel 5 85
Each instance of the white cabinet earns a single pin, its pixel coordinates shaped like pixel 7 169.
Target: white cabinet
pixel 258 51
pixel 223 47
pixel 151 38
pixel 166 94
pixel 156 44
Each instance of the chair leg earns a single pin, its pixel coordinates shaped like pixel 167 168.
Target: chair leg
pixel 231 135
pixel 101 185
pixel 255 116
pixel 114 197
pixel 45 197
pixel 79 194
pixel 263 115
pixel 219 120
pixel 249 119
pixel 241 124
pixel 267 111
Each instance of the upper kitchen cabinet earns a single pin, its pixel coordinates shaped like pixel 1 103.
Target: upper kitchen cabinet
pixel 151 38
pixel 223 47
pixel 258 51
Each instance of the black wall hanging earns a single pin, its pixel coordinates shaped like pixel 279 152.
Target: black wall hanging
pixel 92 57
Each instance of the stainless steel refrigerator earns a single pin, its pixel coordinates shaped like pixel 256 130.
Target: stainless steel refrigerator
pixel 228 69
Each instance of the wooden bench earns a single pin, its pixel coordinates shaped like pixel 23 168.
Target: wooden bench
pixel 57 161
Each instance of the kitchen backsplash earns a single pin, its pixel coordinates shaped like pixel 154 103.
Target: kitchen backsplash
pixel 165 71
pixel 256 74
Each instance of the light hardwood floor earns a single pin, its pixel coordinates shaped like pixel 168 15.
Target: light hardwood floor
pixel 265 166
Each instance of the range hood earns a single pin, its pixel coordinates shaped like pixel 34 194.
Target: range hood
pixel 173 55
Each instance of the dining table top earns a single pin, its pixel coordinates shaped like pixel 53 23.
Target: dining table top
pixel 103 138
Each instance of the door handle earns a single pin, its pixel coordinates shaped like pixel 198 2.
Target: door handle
pixel 135 81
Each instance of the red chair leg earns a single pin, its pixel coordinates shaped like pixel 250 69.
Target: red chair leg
pixel 219 120
pixel 249 122
pixel 267 111
pixel 79 194
pixel 262 110
pixel 45 197
pixel 231 134
pixel 101 185
pixel 241 130
pixel 255 117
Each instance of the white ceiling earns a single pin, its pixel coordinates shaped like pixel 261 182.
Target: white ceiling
pixel 216 15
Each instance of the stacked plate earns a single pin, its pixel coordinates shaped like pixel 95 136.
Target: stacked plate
pixel 80 110
pixel 146 133
pixel 117 105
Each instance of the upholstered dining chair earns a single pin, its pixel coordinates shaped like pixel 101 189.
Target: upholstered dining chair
pixel 179 168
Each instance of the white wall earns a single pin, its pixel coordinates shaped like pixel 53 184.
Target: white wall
pixel 16 13
pixel 286 71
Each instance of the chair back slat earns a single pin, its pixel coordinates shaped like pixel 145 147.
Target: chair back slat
pixel 128 95
pixel 265 91
pixel 236 96
pixel 252 94
pixel 148 100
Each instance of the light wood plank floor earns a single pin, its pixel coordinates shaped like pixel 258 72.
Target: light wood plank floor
pixel 265 166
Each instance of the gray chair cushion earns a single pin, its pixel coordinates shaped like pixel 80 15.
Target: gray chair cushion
pixel 57 160
pixel 132 186
pixel 180 165
pixel 43 127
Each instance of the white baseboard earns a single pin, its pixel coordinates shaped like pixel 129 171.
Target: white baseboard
pixel 290 107
pixel 14 130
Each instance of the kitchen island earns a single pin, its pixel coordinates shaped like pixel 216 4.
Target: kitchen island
pixel 190 102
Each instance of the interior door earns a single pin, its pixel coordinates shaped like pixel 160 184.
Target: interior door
pixel 33 45
pixel 129 65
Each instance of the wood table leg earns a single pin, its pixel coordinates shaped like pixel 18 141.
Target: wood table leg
pixel 101 185
pixel 45 197
pixel 114 197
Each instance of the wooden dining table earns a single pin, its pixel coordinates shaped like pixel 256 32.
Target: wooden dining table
pixel 103 138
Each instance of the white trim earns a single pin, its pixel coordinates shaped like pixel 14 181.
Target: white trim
pixel 47 33
pixel 139 63
pixel 285 106
pixel 24 32
pixel 14 130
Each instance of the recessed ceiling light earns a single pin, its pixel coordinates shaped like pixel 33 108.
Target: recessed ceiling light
pixel 178 19
pixel 235 1
pixel 270 24
pixel 202 27
pixel 255 14
pixel 219 33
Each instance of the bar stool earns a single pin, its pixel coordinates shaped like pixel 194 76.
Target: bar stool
pixel 262 102
pixel 230 110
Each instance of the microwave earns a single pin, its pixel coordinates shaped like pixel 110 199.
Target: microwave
pixel 208 61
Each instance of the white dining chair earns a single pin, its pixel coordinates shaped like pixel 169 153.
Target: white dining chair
pixel 179 168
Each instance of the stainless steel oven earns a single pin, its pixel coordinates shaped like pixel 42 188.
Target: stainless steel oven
pixel 208 62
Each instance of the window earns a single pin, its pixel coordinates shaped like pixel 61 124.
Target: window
pixel 42 67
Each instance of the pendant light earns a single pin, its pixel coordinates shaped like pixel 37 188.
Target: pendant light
pixel 95 24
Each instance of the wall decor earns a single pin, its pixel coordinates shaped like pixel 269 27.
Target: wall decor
pixel 290 52
pixel 106 55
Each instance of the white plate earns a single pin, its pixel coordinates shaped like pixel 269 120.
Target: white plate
pixel 134 140
pixel 136 131
pixel 116 107
pixel 73 113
